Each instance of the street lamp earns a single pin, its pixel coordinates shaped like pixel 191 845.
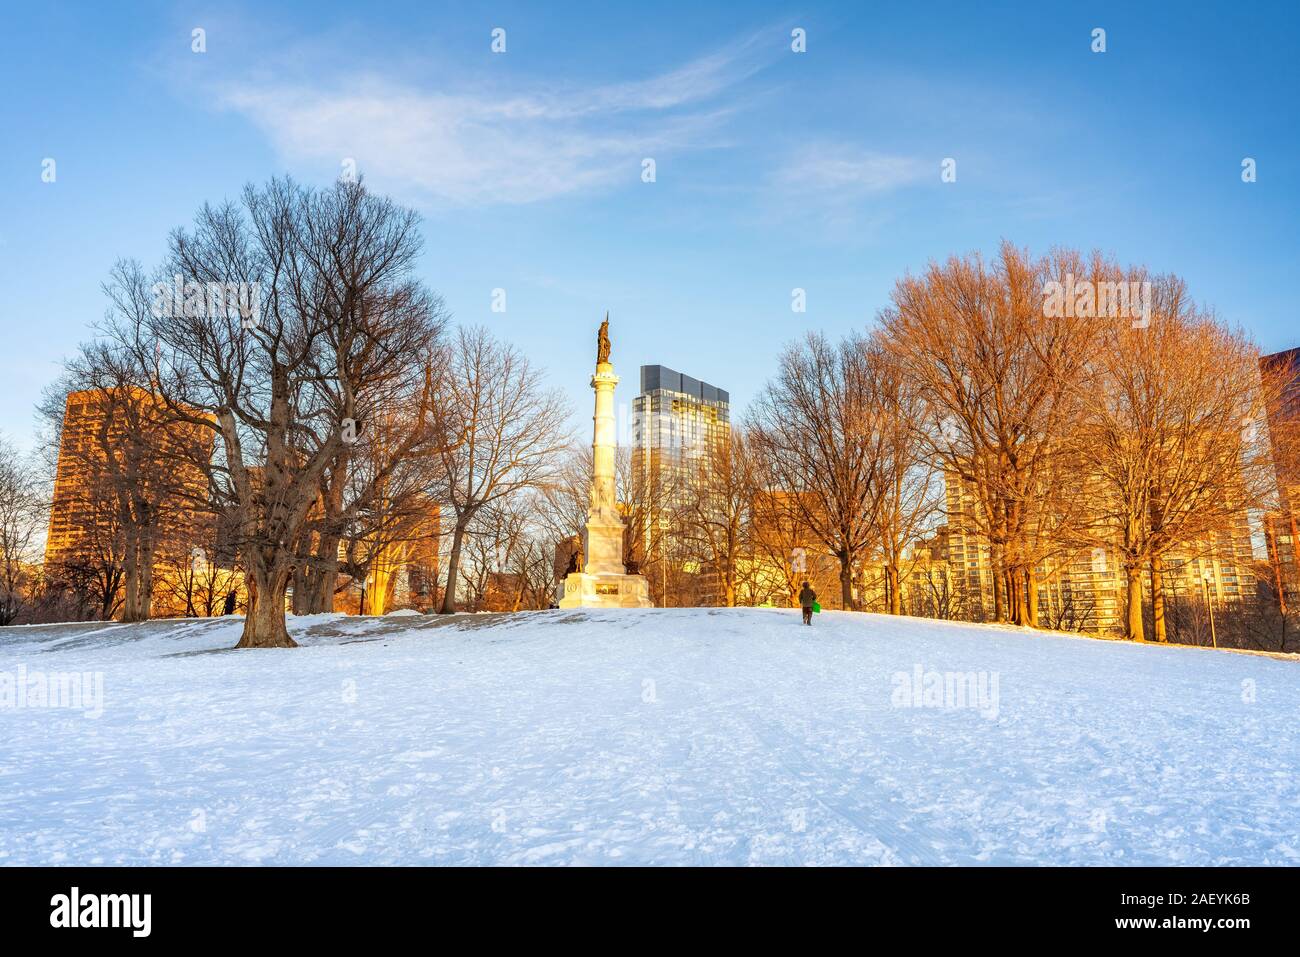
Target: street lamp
pixel 1206 575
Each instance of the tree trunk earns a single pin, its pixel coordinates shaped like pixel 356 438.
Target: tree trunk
pixel 324 578
pixel 453 567
pixel 1158 599
pixel 1022 599
pixel 1015 605
pixel 1133 630
pixel 131 575
pixel 144 579
pixel 301 589
pixel 316 576
pixel 109 592
pixel 264 625
pixel 1031 597
pixel 846 581
pixel 891 583
pixel 999 613
pixel 1275 562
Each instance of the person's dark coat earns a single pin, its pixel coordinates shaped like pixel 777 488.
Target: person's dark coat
pixel 807 597
pixel 229 608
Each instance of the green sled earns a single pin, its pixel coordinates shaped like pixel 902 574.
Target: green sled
pixel 816 608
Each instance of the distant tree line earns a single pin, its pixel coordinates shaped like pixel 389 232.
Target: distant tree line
pixel 295 440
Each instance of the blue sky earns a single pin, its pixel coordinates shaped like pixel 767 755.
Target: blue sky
pixel 774 169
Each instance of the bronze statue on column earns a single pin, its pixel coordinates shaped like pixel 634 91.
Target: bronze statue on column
pixel 602 342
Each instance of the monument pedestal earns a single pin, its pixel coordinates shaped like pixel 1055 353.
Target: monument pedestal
pixel 583 590
pixel 603 581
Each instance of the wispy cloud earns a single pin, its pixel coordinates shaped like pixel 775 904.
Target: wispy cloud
pixel 499 145
pixel 847 172
pixel 836 191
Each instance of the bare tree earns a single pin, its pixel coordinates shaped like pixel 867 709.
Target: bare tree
pixel 331 333
pixel 22 516
pixel 560 507
pixel 715 512
pixel 813 426
pixel 92 577
pixel 779 540
pixel 191 582
pixel 496 533
pixel 1174 450
pixel 376 498
pixel 509 553
pixel 1001 384
pixel 377 507
pixel 652 490
pixel 511 434
pixel 906 501
pixel 531 566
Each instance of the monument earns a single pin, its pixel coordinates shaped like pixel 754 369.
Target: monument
pixel 603 581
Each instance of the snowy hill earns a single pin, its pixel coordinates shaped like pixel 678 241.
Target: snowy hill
pixel 681 737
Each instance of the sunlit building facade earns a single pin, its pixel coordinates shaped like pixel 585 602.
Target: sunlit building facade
pixel 83 510
pixel 677 424
pixel 1085 589
pixel 402 570
pixel 1280 525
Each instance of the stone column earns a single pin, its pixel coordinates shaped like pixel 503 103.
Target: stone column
pixel 604 443
pixel 603 550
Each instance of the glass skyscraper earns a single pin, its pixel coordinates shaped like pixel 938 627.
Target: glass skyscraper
pixel 677 423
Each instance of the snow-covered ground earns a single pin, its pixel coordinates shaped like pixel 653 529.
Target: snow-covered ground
pixel 618 737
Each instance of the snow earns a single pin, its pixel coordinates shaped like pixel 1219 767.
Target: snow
pixel 698 736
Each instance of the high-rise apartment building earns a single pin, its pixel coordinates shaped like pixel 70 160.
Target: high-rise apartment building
pixel 677 423
pixel 1084 589
pixel 1287 364
pixel 159 466
pixel 1282 537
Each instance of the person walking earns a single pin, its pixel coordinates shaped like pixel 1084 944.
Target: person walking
pixel 807 598
pixel 229 608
